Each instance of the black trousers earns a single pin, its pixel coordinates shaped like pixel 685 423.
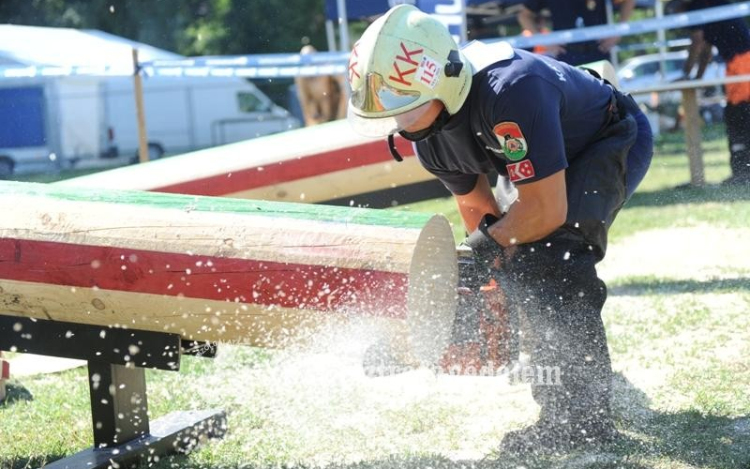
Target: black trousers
pixel 737 120
pixel 553 284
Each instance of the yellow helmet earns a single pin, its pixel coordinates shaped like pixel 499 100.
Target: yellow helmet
pixel 404 60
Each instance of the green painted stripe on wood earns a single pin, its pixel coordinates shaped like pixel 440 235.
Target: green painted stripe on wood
pixel 324 213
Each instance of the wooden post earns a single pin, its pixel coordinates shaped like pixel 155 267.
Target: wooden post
pixel 4 375
pixel 226 270
pixel 693 136
pixel 139 109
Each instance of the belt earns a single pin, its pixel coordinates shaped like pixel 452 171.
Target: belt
pixel 620 105
pixel 614 110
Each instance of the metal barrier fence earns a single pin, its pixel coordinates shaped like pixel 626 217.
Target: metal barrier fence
pixel 329 63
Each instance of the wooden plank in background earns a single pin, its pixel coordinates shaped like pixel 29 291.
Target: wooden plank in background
pixel 321 164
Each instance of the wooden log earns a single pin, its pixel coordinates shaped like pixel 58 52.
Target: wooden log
pixel 220 269
pixel 327 163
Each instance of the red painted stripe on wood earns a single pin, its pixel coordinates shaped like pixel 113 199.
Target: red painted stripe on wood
pixel 289 170
pixel 213 278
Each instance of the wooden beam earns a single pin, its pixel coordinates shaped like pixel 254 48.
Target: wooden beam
pixel 4 375
pixel 311 165
pixel 219 269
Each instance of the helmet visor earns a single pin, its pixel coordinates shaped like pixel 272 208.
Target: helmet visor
pixel 375 98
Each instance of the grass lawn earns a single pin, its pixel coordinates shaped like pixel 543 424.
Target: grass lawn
pixel 678 271
pixel 54 176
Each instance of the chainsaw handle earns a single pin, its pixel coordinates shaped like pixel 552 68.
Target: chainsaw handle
pixel 485 249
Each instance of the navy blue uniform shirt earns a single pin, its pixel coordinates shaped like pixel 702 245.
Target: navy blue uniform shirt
pixel 569 14
pixel 731 37
pixel 525 117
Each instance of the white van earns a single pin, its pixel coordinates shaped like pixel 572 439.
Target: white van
pixel 187 113
pixel 56 120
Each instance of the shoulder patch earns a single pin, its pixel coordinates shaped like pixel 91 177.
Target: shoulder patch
pixel 511 140
pixel 520 171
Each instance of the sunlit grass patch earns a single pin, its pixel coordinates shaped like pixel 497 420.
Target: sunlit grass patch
pixel 679 336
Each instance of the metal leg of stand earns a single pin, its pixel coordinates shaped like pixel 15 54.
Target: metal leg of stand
pixel 123 436
pixel 119 406
pixel 178 432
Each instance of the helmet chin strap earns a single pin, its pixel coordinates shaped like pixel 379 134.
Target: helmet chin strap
pixel 419 135
pixel 392 148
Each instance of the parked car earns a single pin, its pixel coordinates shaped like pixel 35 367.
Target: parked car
pixel 645 71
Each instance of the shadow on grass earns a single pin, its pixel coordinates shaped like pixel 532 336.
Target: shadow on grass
pixel 15 393
pixel 650 286
pixel 688 437
pixel 28 463
pixel 689 195
pixel 649 438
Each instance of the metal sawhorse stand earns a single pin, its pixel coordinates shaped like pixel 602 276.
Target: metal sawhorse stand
pixel 117 359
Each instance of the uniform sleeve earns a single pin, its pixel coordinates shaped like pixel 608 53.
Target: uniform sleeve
pixel 456 182
pixel 528 129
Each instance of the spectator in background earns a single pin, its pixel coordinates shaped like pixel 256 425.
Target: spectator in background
pixel 732 40
pixel 322 98
pixel 569 14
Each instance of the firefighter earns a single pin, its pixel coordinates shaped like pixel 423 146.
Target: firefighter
pixel 732 40
pixel 573 147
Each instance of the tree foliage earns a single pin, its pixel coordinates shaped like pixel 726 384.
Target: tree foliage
pixel 189 27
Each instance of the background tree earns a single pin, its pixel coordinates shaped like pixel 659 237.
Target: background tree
pixel 189 27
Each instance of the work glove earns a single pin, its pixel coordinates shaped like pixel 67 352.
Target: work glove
pixel 683 77
pixel 488 253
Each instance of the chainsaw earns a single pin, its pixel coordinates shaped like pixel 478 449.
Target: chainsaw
pixel 483 341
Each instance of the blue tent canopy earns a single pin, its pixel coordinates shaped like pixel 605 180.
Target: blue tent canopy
pixel 356 9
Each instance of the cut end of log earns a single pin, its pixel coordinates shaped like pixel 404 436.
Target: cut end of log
pixel 432 300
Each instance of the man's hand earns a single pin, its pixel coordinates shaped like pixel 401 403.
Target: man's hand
pixel 530 23
pixel 488 253
pixel 626 10
pixel 554 50
pixel 606 44
pixel 542 207
pixel 683 77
